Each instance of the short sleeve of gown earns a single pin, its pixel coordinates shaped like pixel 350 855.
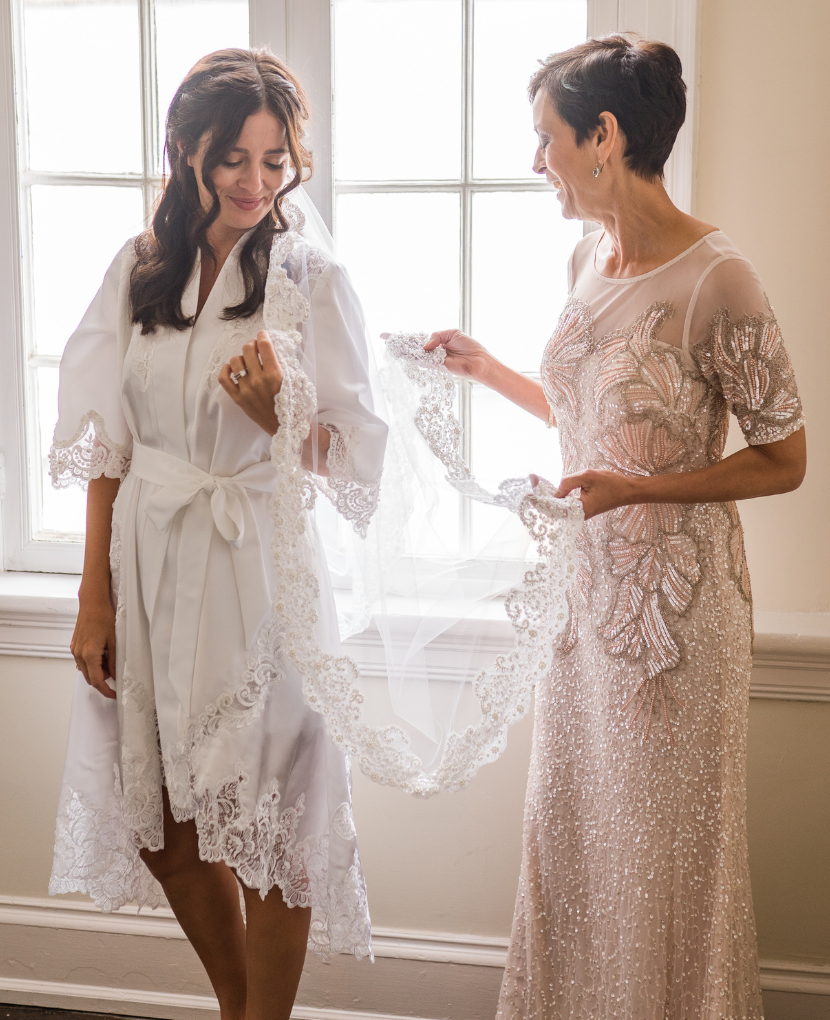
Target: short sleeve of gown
pixel 91 437
pixel 344 398
pixel 735 340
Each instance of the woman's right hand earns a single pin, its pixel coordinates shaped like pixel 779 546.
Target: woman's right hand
pixel 93 643
pixel 465 356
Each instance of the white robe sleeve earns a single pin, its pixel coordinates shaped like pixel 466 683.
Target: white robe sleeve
pixel 336 344
pixel 91 436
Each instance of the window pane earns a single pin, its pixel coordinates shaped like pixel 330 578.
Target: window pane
pixel 397 89
pixel 83 89
pixel 507 443
pixel 98 220
pixel 402 251
pixel 187 30
pixel 521 247
pixel 511 36
pixel 63 510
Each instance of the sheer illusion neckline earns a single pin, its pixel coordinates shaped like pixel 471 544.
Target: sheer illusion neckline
pixel 653 272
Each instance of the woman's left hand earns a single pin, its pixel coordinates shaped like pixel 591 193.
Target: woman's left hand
pixel 256 390
pixel 601 491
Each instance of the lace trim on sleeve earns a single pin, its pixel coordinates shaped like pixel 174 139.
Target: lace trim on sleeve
pixel 89 454
pixel 354 499
pixel 748 360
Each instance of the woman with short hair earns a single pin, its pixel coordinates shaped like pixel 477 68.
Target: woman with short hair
pixel 634 900
pixel 209 773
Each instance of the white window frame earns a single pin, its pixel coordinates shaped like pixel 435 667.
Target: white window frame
pixel 299 31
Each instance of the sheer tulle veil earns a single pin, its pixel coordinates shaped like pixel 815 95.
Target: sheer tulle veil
pixel 441 648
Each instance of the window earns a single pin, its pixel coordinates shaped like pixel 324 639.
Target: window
pixel 430 192
pixel 93 79
pixel 437 211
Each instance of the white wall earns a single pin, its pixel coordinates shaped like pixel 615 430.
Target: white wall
pixel 450 864
pixel 763 153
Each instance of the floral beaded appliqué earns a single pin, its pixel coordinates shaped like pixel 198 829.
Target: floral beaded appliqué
pixel 649 407
pixel 570 343
pixel 653 557
pixel 748 360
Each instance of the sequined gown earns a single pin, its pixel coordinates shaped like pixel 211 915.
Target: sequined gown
pixel 634 900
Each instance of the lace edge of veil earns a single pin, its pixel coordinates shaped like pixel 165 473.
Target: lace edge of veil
pixel 537 609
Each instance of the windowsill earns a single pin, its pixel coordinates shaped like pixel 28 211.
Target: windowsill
pixel 17 584
pixel 37 613
pixel 791 657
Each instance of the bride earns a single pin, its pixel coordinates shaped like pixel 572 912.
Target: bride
pixel 194 765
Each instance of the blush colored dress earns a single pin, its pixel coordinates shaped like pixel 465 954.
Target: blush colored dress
pixel 208 703
pixel 634 900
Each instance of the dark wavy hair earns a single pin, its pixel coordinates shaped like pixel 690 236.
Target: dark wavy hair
pixel 215 99
pixel 638 80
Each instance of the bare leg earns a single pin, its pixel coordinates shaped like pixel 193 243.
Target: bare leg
pixel 277 939
pixel 205 900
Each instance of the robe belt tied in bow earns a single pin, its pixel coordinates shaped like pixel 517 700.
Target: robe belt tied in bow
pixel 207 500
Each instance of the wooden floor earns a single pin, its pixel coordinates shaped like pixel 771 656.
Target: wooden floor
pixel 9 1012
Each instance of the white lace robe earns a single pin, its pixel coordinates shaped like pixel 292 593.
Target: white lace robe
pixel 208 705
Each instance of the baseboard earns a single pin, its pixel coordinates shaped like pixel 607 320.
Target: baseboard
pixel 76 915
pixel 453 964
pixel 92 998
pixel 100 999
pixel 804 978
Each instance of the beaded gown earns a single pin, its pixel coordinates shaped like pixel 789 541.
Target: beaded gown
pixel 634 899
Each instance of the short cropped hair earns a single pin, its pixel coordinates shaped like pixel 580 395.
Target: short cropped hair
pixel 637 80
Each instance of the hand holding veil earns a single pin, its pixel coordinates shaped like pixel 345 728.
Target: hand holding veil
pixel 436 702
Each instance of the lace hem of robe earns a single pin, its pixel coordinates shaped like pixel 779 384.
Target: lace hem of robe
pixel 89 454
pixel 260 844
pixel 97 853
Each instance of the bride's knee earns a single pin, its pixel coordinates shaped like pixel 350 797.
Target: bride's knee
pixel 161 864
pixel 176 857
